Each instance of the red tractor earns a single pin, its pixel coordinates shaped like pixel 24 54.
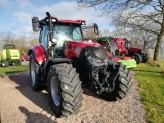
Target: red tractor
pixel 62 54
pixel 114 53
pixel 125 48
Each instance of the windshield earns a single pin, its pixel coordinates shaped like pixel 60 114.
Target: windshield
pixel 68 32
pixel 113 45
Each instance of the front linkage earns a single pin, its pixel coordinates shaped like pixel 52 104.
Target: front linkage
pixel 103 76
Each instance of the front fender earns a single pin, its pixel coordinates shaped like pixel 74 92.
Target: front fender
pixel 51 62
pixel 39 54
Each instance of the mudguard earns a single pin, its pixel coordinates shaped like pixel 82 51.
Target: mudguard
pixel 51 62
pixel 39 53
pixel 41 57
pixel 74 48
pixel 134 49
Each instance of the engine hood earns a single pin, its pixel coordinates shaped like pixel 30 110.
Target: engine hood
pixel 82 44
pixel 97 52
pixel 74 48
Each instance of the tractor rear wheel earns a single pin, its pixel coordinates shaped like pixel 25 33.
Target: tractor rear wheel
pixel 34 74
pixel 64 89
pixel 137 57
pixel 145 58
pixel 122 83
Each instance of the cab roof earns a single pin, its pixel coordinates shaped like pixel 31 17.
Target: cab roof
pixel 67 20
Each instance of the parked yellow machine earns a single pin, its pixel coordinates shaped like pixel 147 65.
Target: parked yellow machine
pixel 10 55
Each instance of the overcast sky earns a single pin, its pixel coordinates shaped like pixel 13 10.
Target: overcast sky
pixel 16 14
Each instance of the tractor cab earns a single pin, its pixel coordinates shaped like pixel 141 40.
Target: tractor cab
pixel 128 44
pixel 114 47
pixel 109 44
pixel 61 33
pixel 54 33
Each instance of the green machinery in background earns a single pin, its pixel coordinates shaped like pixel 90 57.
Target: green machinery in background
pixel 10 55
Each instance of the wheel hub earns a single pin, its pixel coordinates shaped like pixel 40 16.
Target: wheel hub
pixel 33 74
pixel 54 87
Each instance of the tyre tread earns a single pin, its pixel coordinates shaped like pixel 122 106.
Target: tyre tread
pixel 71 88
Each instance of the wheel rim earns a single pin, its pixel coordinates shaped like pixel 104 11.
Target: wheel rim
pixel 33 74
pixel 3 64
pixel 54 84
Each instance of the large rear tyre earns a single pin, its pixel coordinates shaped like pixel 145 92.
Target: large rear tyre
pixel 137 57
pixel 64 89
pixel 122 83
pixel 34 74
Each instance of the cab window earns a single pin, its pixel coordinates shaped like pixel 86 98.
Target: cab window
pixel 44 36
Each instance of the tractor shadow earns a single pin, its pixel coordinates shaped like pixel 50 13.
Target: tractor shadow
pixel 88 92
pixel 12 72
pixel 34 117
pixel 39 98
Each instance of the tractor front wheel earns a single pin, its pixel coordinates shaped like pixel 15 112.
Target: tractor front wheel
pixel 34 74
pixel 64 89
pixel 122 83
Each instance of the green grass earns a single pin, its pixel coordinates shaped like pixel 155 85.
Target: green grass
pixel 13 69
pixel 151 88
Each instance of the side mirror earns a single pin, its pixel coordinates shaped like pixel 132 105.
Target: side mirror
pixel 96 31
pixel 35 24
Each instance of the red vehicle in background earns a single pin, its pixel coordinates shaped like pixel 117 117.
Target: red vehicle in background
pixel 25 58
pixel 113 52
pixel 125 48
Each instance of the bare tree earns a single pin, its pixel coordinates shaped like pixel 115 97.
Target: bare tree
pixel 141 38
pixel 7 38
pixel 138 14
pixel 27 41
pixel 147 39
pixel 34 39
pixel 23 41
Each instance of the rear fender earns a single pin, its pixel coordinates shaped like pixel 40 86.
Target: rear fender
pixel 39 54
pixel 134 49
pixel 51 62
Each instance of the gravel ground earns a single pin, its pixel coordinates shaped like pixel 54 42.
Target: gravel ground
pixel 19 104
